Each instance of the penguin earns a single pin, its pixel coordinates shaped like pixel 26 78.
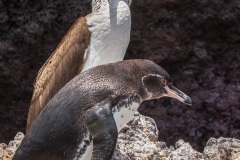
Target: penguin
pixel 87 44
pixel 82 121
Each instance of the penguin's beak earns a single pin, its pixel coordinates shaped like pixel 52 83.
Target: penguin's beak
pixel 177 94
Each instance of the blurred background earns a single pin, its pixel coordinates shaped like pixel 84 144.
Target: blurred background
pixel 196 41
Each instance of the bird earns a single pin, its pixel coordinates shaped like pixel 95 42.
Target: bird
pixel 82 120
pixel 88 43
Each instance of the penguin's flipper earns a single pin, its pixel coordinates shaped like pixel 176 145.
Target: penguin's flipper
pixel 100 123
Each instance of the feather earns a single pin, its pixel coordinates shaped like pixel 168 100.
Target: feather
pixel 65 63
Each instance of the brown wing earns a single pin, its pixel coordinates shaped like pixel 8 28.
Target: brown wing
pixel 64 64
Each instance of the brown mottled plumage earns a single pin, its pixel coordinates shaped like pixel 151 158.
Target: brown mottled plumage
pixel 64 64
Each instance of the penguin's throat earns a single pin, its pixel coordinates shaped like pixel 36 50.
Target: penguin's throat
pixel 123 112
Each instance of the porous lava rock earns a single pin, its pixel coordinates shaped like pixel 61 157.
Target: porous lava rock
pixel 138 140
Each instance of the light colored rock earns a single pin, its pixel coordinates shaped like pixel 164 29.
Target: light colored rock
pixel 184 151
pixel 7 151
pixel 139 141
pixel 222 149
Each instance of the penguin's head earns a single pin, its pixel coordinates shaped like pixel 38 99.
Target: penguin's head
pixel 159 85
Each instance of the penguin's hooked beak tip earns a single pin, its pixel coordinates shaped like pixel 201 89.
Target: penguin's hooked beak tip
pixel 177 94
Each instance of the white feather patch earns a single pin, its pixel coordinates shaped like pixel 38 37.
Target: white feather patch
pixel 87 155
pixel 124 114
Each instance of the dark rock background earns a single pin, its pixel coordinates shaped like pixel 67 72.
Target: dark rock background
pixel 196 41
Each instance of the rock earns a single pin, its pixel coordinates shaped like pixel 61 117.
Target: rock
pixel 139 141
pixel 184 151
pixel 222 149
pixel 8 151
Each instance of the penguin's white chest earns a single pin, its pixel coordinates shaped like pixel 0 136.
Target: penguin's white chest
pixel 124 113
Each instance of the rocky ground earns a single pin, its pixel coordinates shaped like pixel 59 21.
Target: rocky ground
pixel 139 141
pixel 196 41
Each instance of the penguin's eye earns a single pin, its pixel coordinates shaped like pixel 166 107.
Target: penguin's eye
pixel 163 81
